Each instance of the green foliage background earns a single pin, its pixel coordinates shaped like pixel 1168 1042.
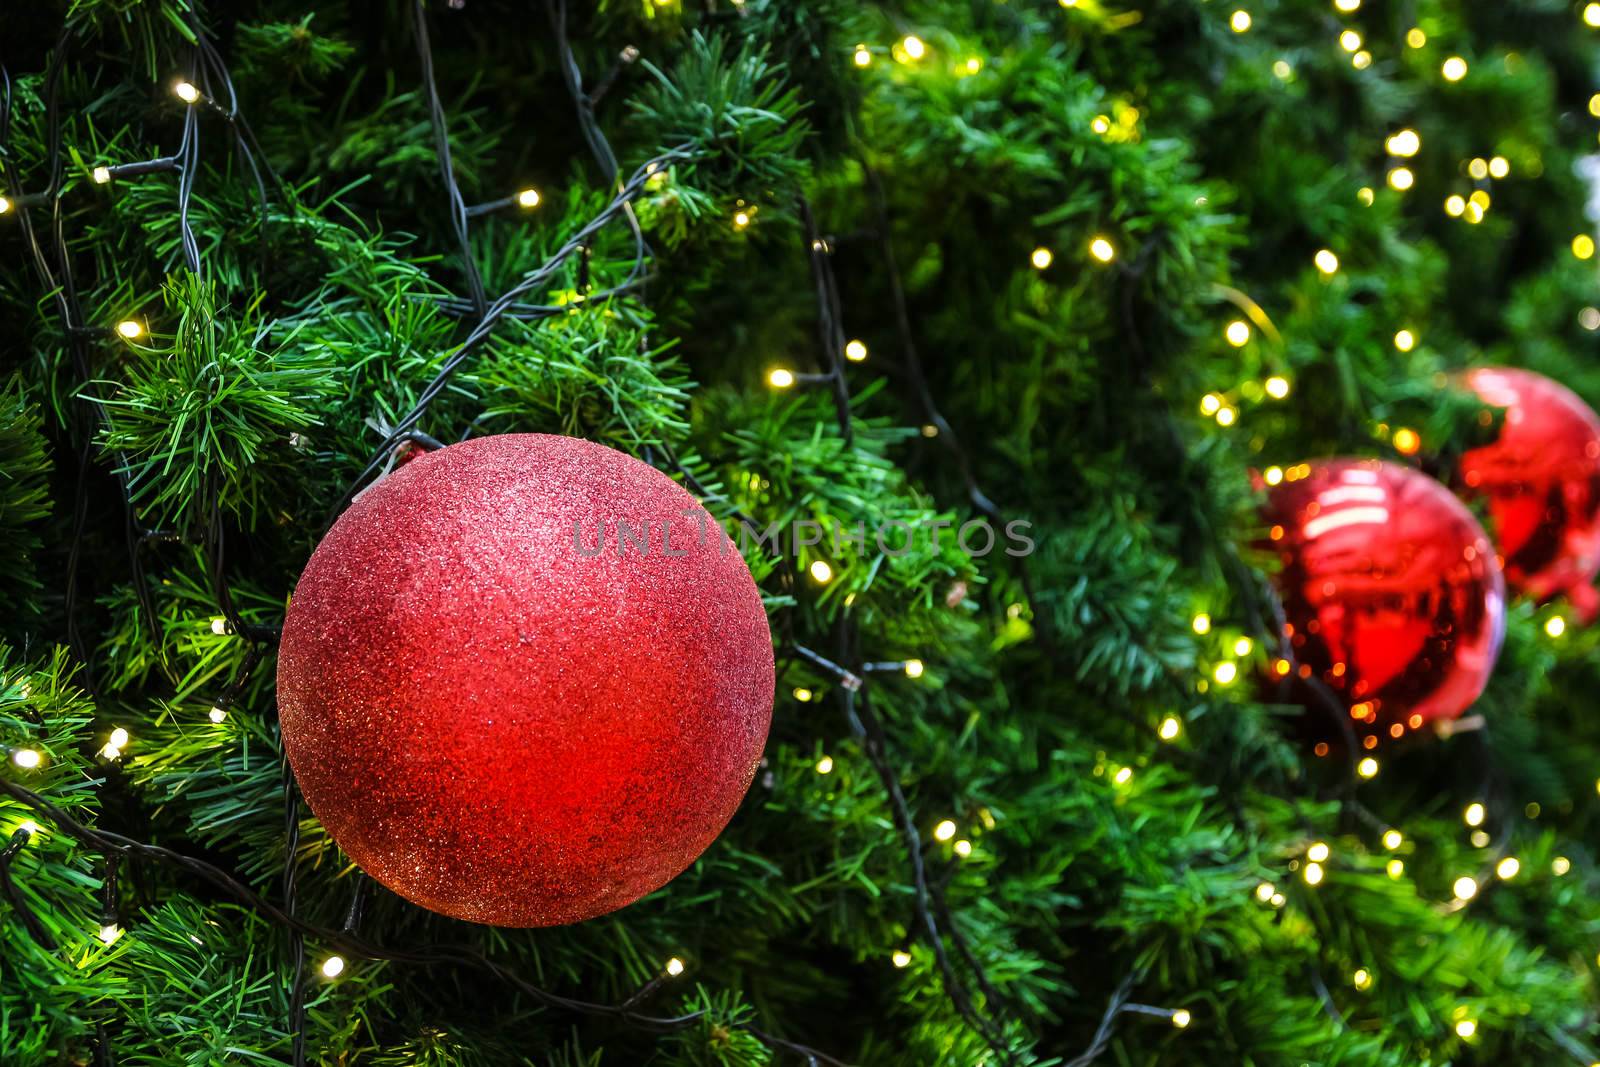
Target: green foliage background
pixel 1104 861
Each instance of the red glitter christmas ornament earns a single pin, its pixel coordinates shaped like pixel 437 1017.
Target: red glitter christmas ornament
pixel 1392 595
pixel 525 680
pixel 1541 478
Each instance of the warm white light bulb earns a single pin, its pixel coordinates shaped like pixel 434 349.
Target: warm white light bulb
pixel 119 738
pixel 820 571
pixel 130 328
pixel 944 831
pixel 674 967
pixel 1170 726
pixel 102 175
pixel 1465 888
pixel 186 92
pixel 333 966
pixel 855 351
pixel 1041 258
pixel 914 668
pixel 217 715
pixel 1102 249
pixel 528 198
pixel 26 758
pixel 1181 1018
pixel 825 765
pixel 1326 261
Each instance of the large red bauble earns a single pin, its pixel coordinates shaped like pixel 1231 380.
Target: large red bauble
pixel 497 724
pixel 1541 478
pixel 1391 591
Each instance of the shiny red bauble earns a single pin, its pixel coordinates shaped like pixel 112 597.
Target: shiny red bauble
pixel 1393 600
pixel 1541 481
pixel 508 713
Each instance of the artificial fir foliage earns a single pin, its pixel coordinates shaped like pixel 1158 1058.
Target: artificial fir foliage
pixel 1083 265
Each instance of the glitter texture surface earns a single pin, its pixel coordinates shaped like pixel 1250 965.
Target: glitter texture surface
pixel 1542 481
pixel 1391 592
pixel 502 727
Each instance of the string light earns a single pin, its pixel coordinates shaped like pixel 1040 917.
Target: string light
pixel 1201 623
pixel 855 351
pixel 1237 333
pixel 26 758
pixel 1326 261
pixel 973 64
pixel 1265 891
pixel 1170 726
pixel 131 329
pixel 1454 205
pixel 1367 768
pixel 1240 21
pixel 1499 167
pixel 186 92
pixel 1346 6
pixel 1243 646
pixel 1123 776
pixel 1479 839
pixel 821 571
pixel 1507 868
pixel 741 219
pixel 900 958
pixel 1473 816
pixel 914 668
pixel 1210 404
pixel 1404 143
pixel 1416 38
pixel 963 848
pixel 1591 15
pixel 1319 852
pixel 1272 475
pixel 944 831
pixel 1478 169
pixel 863 56
pixel 1362 979
pixel 1041 258
pixel 1181 1018
pixel 1560 865
pixel 1407 441
pixel 1555 626
pixel 1401 179
pixel 528 198
pixel 781 378
pixel 1465 888
pixel 109 933
pixel 31 828
pixel 825 765
pixel 674 967
pixel 1226 416
pixel 1225 672
pixel 101 175
pixel 1366 195
pixel 1395 868
pixel 1583 246
pixel 1392 839
pixel 803 695
pixel 1361 60
pixel 1405 340
pixel 913 47
pixel 1454 69
pixel 1312 874
pixel 1466 1028
pixel 333 966
pixel 1102 249
pixel 1100 124
pixel 1282 70
pixel 218 715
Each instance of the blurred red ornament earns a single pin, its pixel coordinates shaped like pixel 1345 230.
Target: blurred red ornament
pixel 1393 598
pixel 499 722
pixel 1541 479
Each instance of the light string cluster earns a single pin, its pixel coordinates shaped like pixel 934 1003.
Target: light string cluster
pixel 185 163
